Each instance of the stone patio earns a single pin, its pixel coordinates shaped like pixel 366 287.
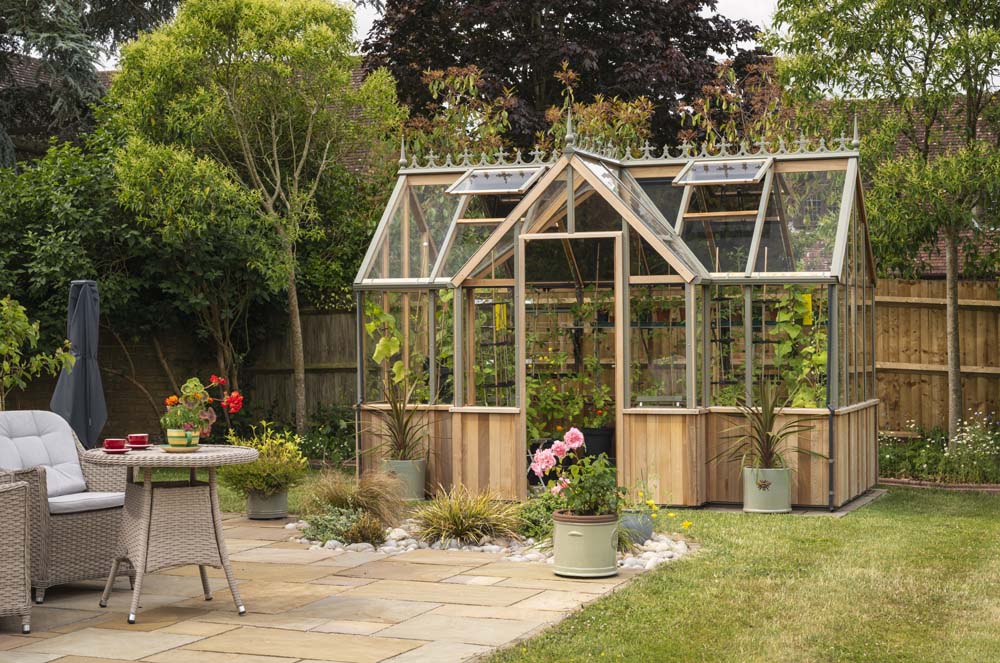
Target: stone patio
pixel 306 605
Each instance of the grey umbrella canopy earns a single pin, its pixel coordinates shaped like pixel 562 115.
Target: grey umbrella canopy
pixel 79 395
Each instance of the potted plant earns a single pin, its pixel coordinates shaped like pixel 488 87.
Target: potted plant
pixel 265 482
pixel 404 440
pixel 760 448
pixel 638 514
pixel 189 417
pixel 585 533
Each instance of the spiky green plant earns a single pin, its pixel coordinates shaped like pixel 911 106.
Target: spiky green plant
pixel 468 517
pixel 403 431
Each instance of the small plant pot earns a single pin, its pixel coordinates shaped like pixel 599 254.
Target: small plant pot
pixel 638 525
pixel 585 546
pixel 767 491
pixel 412 474
pixel 267 507
pixel 177 437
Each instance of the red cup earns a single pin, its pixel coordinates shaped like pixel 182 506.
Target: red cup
pixel 138 439
pixel 114 443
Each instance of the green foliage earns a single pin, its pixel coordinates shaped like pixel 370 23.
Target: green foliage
pixel 366 529
pixel 20 360
pixel 593 486
pixel 463 516
pixel 758 441
pixel 377 493
pixel 333 523
pixel 536 515
pixel 331 434
pixel 973 456
pixel 800 352
pixel 280 465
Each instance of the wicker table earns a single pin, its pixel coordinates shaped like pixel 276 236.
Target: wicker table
pixel 175 523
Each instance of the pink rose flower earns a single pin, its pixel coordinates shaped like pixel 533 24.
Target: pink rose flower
pixel 543 461
pixel 560 486
pixel 573 438
pixel 560 449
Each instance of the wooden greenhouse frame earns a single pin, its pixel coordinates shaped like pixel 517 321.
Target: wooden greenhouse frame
pixel 668 283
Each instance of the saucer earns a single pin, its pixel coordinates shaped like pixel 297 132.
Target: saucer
pixel 115 452
pixel 139 447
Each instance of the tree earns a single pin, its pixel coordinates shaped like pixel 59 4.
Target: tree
pixel 933 64
pixel 20 360
pixel 67 37
pixel 265 88
pixel 628 48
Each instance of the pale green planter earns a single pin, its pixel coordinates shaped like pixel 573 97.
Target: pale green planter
pixel 412 474
pixel 767 491
pixel 267 507
pixel 585 546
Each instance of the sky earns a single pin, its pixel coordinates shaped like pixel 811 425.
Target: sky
pixel 756 11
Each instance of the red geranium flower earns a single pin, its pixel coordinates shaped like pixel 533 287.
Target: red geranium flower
pixel 233 402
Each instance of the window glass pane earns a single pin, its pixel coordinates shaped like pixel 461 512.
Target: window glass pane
pixel 468 238
pixel 726 198
pixel 491 356
pixel 444 345
pixel 657 338
pixel 744 170
pixel 415 234
pixel 665 196
pixel 727 360
pixel 491 207
pixel 722 245
pixel 804 208
pixel 496 180
pixel 790 341
pixel 499 262
pixel 595 214
pixel 644 260
pixel 570 262
pixel 410 323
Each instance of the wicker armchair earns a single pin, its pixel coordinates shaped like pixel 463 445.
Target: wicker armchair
pixel 15 579
pixel 74 507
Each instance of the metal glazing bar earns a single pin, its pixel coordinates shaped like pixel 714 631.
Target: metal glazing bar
pixel 758 229
pixel 748 343
pixel 458 354
pixel 690 322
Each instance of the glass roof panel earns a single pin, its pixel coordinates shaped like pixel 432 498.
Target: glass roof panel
pixel 497 180
pixel 494 206
pixel 644 260
pixel 415 233
pixel 721 244
pixel 468 238
pixel 664 195
pixel 712 171
pixel 725 198
pixel 801 226
pixel 499 262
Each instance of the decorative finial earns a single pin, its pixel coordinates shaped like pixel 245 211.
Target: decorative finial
pixel 402 151
pixel 570 136
pixel 856 141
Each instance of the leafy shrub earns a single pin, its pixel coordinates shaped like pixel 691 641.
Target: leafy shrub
pixel 459 514
pixel 366 529
pixel 973 458
pixel 376 493
pixel 536 515
pixel 331 435
pixel 280 465
pixel 334 523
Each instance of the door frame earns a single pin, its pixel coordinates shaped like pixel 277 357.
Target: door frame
pixel 621 324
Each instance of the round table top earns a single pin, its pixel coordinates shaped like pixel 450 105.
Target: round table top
pixel 208 455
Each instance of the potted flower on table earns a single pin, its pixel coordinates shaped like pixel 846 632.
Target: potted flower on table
pixel 189 417
pixel 585 535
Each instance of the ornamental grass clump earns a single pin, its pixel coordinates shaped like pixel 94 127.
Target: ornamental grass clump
pixel 467 517
pixel 377 493
pixel 279 466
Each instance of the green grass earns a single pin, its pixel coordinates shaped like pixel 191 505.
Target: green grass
pixel 230 500
pixel 915 576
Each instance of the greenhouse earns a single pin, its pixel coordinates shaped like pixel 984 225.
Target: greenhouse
pixel 639 297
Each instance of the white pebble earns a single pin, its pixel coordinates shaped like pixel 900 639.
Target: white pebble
pixel 361 547
pixel 333 544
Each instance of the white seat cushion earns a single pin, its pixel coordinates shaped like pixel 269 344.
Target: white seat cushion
pixel 29 438
pixel 77 502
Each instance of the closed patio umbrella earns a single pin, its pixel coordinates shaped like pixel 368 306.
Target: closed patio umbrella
pixel 79 394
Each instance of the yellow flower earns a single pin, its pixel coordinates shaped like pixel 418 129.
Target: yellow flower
pixel 671 515
pixel 641 495
pixel 650 502
pixel 686 524
pixel 653 515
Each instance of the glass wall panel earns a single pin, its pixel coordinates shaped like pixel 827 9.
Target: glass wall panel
pixel 725 198
pixel 468 238
pixel 644 260
pixel 490 353
pixel 804 209
pixel 403 316
pixel 415 233
pixel 595 214
pixel 790 341
pixel 657 345
pixel 491 206
pixel 444 345
pixel 722 245
pixel 499 262
pixel 727 358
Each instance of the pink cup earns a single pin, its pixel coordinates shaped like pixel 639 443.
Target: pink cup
pixel 114 443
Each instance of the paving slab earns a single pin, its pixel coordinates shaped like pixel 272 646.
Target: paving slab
pixel 348 559
pixel 440 652
pixel 150 620
pixel 290 621
pixel 470 630
pixel 276 523
pixel 106 643
pixel 393 570
pixel 428 556
pixel 467 579
pixel 190 656
pixel 259 571
pixel 269 533
pixel 492 612
pixel 537 572
pixel 351 627
pixel 406 590
pixel 560 584
pixel 195 627
pixel 343 581
pixel 271 597
pixel 30 657
pixel 46 618
pixel 348 607
pixel 239 545
pixel 553 600
pixel 270 555
pixel 277 642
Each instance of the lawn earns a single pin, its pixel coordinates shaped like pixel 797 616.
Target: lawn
pixel 914 576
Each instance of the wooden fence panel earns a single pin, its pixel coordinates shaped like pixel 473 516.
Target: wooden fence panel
pixel 912 357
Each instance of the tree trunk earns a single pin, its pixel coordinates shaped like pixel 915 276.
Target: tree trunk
pixel 954 342
pixel 298 354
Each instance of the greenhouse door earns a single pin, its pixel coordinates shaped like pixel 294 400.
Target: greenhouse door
pixel 571 336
